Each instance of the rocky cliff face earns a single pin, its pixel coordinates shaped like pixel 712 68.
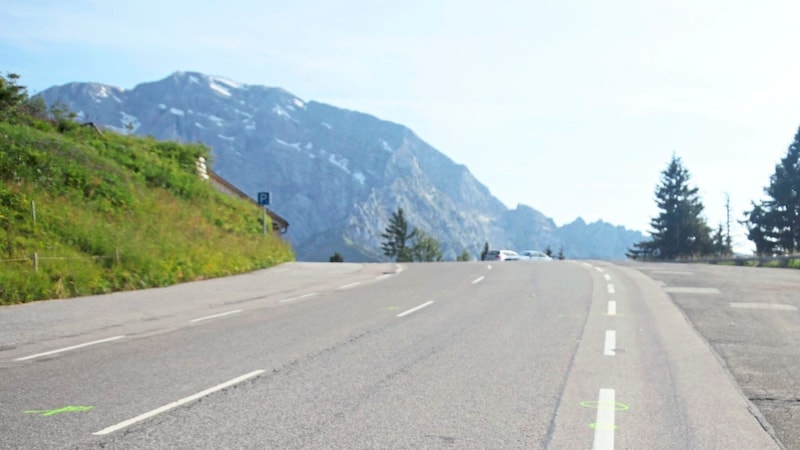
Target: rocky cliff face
pixel 335 175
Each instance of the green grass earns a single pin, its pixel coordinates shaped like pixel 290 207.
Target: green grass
pixel 115 213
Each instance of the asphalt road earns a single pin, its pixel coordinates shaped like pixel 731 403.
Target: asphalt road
pixel 560 355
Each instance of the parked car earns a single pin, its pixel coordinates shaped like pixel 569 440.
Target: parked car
pixel 535 255
pixel 502 255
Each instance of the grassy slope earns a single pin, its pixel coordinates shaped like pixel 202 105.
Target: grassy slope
pixel 118 212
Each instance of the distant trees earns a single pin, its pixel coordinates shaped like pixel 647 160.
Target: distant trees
pixel 679 230
pixel 464 256
pixel 774 224
pixel 423 246
pixel 337 257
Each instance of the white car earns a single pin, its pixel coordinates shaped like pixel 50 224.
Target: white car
pixel 535 255
pixel 502 255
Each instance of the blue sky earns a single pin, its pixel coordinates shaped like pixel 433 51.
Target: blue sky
pixel 571 107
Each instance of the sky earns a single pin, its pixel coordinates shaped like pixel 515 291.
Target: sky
pixel 571 107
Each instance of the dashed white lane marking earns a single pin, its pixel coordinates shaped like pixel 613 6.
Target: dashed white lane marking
pixel 612 308
pixel 772 306
pixel 383 277
pixel 489 267
pixel 180 402
pixel 215 316
pixel 586 264
pixel 348 286
pixel 670 272
pixel 599 269
pixel 604 425
pixel 66 349
pixel 610 348
pixel 287 300
pixel 607 277
pixel 690 290
pixel 611 288
pixel 477 280
pixel 415 309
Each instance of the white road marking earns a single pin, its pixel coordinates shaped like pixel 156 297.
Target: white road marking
pixel 612 308
pixel 417 308
pixel 348 286
pixel 611 288
pixel 691 290
pixel 180 402
pixel 382 277
pixel 66 349
pixel 670 272
pixel 610 348
pixel 286 300
pixel 489 267
pixel 607 277
pixel 599 269
pixel 604 425
pixel 477 280
pixel 772 306
pixel 200 319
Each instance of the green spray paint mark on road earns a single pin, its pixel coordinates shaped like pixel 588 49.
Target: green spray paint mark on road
pixel 50 412
pixel 616 405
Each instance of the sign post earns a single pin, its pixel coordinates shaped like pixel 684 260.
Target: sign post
pixel 264 201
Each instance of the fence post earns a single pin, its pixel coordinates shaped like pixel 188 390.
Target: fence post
pixel 35 261
pixel 116 255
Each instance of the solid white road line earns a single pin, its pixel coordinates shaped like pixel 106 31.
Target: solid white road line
pixel 200 319
pixel 180 402
pixel 612 308
pixel 604 425
pixel 610 348
pixel 611 289
pixel 347 286
pixel 477 280
pixel 383 277
pixel 417 308
pixel 286 300
pixel 66 349
pixel 607 277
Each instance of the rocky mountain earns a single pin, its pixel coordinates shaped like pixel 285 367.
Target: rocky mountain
pixel 336 175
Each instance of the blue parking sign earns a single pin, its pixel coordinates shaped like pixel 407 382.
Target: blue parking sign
pixel 263 198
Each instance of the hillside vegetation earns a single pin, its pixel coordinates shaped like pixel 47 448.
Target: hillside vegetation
pixel 85 213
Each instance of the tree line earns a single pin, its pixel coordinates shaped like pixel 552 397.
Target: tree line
pixel 680 230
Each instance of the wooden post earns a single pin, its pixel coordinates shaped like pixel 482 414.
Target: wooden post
pixel 116 255
pixel 33 209
pixel 35 261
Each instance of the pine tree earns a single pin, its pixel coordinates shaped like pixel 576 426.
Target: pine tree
pixel 395 237
pixel 774 224
pixel 679 231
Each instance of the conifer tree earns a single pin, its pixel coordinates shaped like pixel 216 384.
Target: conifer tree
pixel 395 237
pixel 774 224
pixel 679 231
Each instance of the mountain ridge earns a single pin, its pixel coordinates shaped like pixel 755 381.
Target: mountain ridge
pixel 335 174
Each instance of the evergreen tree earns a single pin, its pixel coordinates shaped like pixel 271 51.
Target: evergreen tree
pixel 465 256
pixel 774 224
pixel 395 237
pixel 679 231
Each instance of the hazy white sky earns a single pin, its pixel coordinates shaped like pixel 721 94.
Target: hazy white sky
pixel 571 107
